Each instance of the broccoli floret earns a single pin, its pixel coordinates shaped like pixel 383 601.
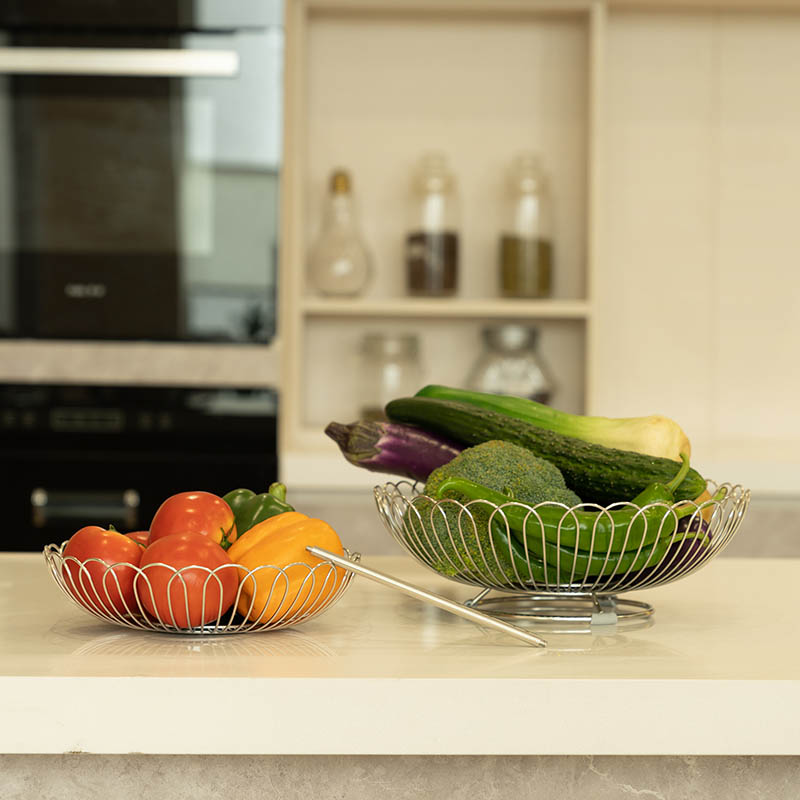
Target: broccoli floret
pixel 457 545
pixel 508 468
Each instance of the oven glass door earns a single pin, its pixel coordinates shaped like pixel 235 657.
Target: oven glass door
pixel 139 183
pixel 76 455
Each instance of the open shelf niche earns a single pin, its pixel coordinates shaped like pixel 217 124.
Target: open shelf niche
pixel 370 87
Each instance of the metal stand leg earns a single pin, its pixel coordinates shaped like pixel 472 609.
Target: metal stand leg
pixel 605 610
pixel 473 601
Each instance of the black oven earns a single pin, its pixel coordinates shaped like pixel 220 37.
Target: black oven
pixel 109 455
pixel 139 157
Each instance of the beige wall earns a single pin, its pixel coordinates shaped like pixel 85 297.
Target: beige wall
pixel 698 289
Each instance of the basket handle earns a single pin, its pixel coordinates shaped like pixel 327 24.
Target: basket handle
pixel 437 600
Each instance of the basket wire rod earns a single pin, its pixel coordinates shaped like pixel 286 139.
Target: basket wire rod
pixel 102 594
pixel 437 600
pixel 475 543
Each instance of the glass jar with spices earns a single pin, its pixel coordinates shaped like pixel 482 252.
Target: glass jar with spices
pixel 526 247
pixel 432 242
pixel 390 368
pixel 511 364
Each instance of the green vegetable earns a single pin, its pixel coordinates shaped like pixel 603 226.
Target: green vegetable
pixel 598 474
pixel 512 469
pixel 500 465
pixel 568 566
pixel 565 565
pixel 553 545
pixel 655 435
pixel 250 508
pixel 237 498
pixel 585 543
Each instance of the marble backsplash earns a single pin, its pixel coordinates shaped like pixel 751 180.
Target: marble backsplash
pixel 97 777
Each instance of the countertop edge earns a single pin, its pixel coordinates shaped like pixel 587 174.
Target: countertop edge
pixel 348 716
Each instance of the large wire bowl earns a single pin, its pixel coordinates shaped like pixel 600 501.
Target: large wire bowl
pixel 472 543
pixel 290 595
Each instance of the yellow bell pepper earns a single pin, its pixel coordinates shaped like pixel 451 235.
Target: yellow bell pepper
pixel 278 578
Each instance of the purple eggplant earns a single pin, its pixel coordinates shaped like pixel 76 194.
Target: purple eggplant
pixel 695 524
pixel 392 448
pixel 686 552
pixel 691 550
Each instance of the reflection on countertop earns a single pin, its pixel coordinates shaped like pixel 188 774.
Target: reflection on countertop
pixel 374 632
pixel 88 640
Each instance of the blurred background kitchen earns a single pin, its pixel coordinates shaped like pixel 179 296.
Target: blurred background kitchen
pixel 223 226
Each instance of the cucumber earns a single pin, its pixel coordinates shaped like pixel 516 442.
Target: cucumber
pixel 598 474
pixel 655 435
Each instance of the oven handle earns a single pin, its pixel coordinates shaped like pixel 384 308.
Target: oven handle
pixel 86 508
pixel 131 63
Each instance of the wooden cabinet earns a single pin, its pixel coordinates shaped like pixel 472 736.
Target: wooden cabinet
pixel 371 87
pixel 670 131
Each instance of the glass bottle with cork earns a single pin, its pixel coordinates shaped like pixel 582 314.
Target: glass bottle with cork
pixel 432 243
pixel 526 247
pixel 339 265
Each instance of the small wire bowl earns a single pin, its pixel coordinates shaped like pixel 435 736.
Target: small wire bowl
pixel 121 593
pixel 563 584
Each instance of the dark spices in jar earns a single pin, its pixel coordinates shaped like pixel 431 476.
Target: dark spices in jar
pixel 432 263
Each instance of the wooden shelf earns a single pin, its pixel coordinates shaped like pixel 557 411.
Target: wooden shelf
pixel 434 7
pixel 447 308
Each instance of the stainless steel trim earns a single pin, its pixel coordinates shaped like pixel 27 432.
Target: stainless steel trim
pixel 444 603
pixel 48 506
pixel 135 63
pixel 558 562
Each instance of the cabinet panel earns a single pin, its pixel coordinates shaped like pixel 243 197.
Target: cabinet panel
pixel 655 288
pixel 697 290
pixel 758 238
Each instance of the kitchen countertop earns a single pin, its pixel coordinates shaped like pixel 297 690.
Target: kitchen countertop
pixel 717 673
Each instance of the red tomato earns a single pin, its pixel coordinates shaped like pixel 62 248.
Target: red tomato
pixel 141 538
pixel 178 600
pixel 93 584
pixel 195 512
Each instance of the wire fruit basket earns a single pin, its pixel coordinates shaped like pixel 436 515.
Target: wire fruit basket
pixel 570 571
pixel 196 599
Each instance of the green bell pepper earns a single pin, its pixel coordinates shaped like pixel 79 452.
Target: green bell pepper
pixel 250 508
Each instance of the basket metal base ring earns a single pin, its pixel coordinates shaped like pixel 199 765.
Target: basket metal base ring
pixel 575 609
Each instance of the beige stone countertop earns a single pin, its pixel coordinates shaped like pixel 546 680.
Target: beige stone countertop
pixel 717 673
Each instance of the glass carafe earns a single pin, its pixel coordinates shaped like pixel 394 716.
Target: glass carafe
pixel 511 364
pixel 390 368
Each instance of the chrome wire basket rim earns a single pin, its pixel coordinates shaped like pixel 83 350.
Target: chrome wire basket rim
pixel 310 600
pixel 398 506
